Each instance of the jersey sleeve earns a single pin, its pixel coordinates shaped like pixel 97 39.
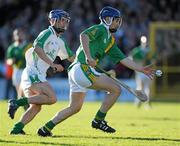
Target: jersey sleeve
pixel 94 32
pixel 41 39
pixel 136 53
pixel 115 54
pixel 9 52
pixel 64 51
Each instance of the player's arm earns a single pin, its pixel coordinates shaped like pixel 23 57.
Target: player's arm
pixel 84 39
pixel 40 52
pixel 130 64
pixel 134 66
pixel 10 60
pixel 87 36
pixel 117 56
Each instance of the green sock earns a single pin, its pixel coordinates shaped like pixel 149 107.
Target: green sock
pixel 100 115
pixel 17 128
pixel 22 101
pixel 49 125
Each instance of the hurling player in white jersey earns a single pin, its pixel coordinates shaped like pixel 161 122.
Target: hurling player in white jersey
pixel 39 58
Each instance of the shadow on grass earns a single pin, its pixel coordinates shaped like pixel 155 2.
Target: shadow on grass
pixel 116 137
pixel 35 143
pixel 161 119
pixel 156 118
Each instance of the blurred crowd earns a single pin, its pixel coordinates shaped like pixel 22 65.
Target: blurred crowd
pixel 32 16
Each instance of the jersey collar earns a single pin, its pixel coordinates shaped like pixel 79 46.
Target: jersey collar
pixel 52 30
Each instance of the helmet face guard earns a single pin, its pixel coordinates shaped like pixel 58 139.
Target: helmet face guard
pixel 109 12
pixel 57 14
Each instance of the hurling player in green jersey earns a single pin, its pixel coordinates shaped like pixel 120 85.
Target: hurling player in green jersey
pixel 16 57
pixel 95 42
pixel 142 55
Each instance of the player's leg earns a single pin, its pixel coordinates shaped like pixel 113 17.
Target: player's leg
pixel 16 78
pixel 17 82
pixel 76 102
pixel 105 83
pixel 77 94
pixel 139 86
pixel 92 79
pixel 146 87
pixel 79 80
pixel 21 94
pixel 18 127
pixel 45 95
pixel 45 92
pixel 113 91
pixel 28 116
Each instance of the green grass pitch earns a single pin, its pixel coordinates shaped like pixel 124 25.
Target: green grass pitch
pixel 159 126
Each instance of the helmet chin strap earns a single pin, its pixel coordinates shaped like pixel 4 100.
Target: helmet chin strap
pixel 112 30
pixel 108 24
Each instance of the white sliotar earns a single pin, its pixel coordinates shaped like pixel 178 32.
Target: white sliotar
pixel 158 73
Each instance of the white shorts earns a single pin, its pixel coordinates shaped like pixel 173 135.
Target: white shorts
pixel 81 77
pixel 30 77
pixel 16 76
pixel 141 78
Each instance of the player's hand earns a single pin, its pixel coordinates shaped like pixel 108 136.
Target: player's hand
pixel 112 73
pixel 92 62
pixel 149 71
pixel 71 59
pixel 57 67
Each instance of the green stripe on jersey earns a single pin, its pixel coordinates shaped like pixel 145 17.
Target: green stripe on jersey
pixel 42 37
pixel 69 51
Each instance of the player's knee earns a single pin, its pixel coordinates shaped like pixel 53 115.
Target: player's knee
pixel 77 109
pixel 52 100
pixel 116 90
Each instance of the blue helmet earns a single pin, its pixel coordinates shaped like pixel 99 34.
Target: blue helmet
pixel 109 12
pixel 57 14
